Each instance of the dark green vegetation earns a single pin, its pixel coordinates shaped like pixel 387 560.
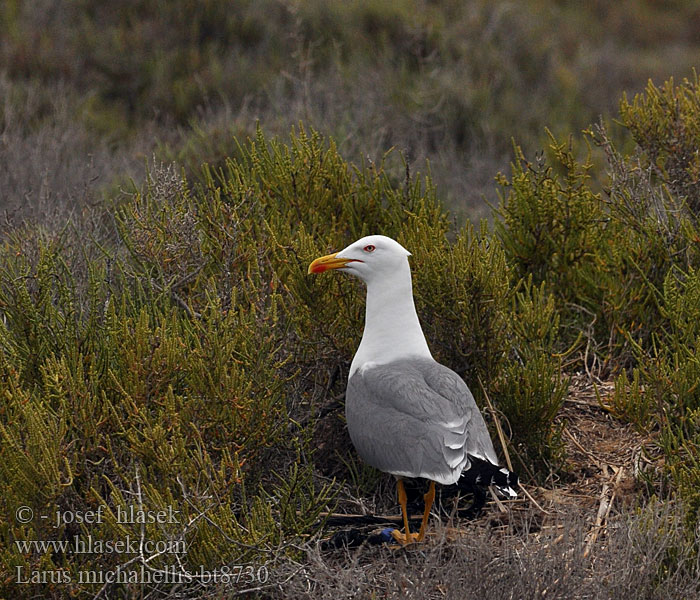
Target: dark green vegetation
pixel 188 361
pixel 449 81
pixel 162 348
pixel 623 263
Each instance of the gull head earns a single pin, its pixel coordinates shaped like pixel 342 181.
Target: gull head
pixel 371 258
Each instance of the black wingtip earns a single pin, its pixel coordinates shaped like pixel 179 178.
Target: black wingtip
pixel 482 473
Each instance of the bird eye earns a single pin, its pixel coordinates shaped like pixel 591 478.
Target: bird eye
pixel 369 248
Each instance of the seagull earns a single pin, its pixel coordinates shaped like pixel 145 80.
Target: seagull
pixel 407 414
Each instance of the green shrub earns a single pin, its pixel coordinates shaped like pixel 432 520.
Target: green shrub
pixel 463 294
pixel 188 362
pixel 552 227
pixel 651 233
pixel 606 255
pixel 117 395
pixel 622 265
pixel 665 124
pixel 664 393
pixel 532 387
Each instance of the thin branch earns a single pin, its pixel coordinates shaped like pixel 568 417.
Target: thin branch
pixel 501 437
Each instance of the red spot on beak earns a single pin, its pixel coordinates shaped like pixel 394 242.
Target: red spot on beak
pixel 330 261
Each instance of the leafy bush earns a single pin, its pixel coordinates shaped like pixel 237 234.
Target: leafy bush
pixel 532 387
pixel 665 124
pixel 664 392
pixel 552 228
pixel 623 264
pixel 656 199
pixel 604 256
pixel 187 361
pixel 120 399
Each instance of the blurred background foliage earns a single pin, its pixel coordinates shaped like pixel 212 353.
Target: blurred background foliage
pixel 171 168
pixel 447 81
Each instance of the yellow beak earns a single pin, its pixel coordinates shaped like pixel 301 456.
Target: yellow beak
pixel 324 263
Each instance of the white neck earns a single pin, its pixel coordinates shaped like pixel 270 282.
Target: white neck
pixel 392 329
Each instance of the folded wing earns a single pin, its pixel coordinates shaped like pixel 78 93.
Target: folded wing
pixel 416 418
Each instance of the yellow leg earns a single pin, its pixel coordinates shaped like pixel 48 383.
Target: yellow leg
pixel 406 538
pixel 429 498
pixel 409 537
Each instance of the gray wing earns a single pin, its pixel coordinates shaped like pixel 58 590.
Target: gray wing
pixel 415 418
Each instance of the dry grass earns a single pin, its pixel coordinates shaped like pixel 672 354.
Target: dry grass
pixel 53 166
pixel 585 536
pixel 524 559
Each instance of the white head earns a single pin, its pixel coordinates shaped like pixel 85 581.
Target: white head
pixel 371 258
pixel 392 329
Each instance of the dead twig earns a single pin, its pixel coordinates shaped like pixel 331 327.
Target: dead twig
pixel 588 453
pixel 522 487
pixel 495 498
pixel 603 511
pixel 501 437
